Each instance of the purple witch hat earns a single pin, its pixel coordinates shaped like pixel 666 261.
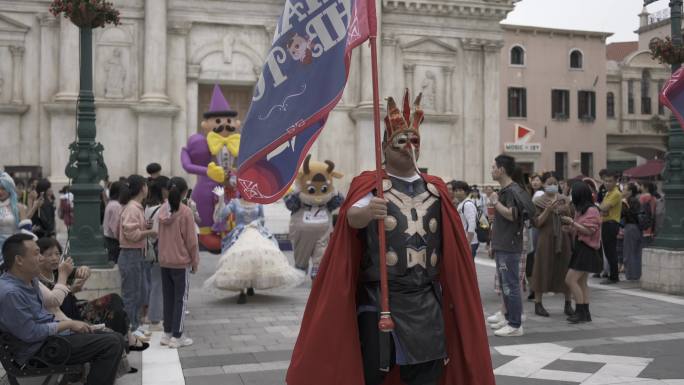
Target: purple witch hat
pixel 219 105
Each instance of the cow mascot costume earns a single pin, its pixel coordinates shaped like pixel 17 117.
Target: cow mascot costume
pixel 212 156
pixel 311 206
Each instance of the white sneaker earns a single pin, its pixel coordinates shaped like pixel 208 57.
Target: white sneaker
pixel 139 334
pixel 176 343
pixel 496 318
pixel 498 325
pixel 165 340
pixel 509 331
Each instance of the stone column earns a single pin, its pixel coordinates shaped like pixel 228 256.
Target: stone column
pixel 49 86
pixel 473 99
pixel 68 61
pixel 448 72
pixel 192 98
pixel 389 59
pixel 409 71
pixel 154 85
pixel 491 129
pixel 366 83
pixel 17 74
pixel 177 88
pixel 624 109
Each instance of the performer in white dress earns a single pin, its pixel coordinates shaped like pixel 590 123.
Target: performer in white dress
pixel 250 256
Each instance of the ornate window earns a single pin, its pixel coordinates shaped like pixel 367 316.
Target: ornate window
pixel 661 107
pixel 560 104
pixel 630 96
pixel 517 102
pixel 586 103
pixel 576 59
pixel 517 56
pixel 646 92
pixel 610 105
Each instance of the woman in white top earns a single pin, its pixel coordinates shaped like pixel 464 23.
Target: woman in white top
pixel 11 211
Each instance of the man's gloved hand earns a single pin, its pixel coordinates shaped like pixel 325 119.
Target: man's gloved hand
pixel 215 172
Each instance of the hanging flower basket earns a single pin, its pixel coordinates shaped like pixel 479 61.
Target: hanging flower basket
pixel 665 51
pixel 86 13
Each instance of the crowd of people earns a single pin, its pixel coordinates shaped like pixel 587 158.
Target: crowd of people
pixel 572 229
pixel 546 235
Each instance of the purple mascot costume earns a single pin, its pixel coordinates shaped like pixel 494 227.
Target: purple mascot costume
pixel 212 156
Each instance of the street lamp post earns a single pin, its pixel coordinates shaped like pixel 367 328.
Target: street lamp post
pixel 672 235
pixel 86 168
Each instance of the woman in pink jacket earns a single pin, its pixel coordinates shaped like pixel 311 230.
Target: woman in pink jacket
pixel 133 232
pixel 178 256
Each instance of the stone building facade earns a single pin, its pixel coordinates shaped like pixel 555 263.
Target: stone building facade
pixel 153 74
pixel 637 129
pixel 553 82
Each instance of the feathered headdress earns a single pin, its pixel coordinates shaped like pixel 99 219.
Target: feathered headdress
pixel 399 121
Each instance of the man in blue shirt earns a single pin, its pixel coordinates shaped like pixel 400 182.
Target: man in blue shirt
pixel 23 315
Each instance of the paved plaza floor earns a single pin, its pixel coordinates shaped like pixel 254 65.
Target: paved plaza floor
pixel 637 337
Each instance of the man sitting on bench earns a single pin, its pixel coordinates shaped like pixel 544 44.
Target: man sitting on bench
pixel 23 315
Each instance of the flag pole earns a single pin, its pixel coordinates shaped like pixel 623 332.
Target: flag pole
pixel 386 324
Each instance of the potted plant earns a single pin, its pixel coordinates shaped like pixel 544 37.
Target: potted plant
pixel 665 51
pixel 86 13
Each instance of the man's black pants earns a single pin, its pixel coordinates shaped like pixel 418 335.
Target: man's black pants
pixel 609 233
pixel 427 373
pixel 102 350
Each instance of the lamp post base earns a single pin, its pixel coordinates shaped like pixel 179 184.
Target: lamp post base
pixel 663 270
pixel 85 238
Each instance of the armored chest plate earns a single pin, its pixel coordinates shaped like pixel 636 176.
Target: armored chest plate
pixel 412 228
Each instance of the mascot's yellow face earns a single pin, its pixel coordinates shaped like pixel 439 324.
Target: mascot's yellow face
pixel 222 125
pixel 315 181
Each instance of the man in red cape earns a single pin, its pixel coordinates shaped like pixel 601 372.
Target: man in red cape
pixel 329 347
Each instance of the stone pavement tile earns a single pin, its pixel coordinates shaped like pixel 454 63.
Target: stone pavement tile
pixel 135 361
pixel 506 380
pixel 203 371
pixel 218 379
pixel 531 337
pixel 272 377
pixel 218 360
pixel 499 359
pixel 574 366
pixel 666 367
pixel 276 355
pixel 639 349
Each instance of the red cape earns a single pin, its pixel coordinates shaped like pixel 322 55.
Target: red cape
pixel 328 349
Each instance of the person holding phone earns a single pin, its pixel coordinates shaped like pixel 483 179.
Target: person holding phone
pixel 60 280
pixel 44 218
pixel 552 253
pixel 23 315
pixel 586 258
pixel 133 232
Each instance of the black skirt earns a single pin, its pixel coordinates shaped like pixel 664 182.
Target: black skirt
pixel 586 259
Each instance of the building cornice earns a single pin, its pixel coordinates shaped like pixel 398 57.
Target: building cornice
pixel 13 109
pixel 555 31
pixel 488 9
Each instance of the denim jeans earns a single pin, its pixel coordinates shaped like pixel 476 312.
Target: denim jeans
pixel 132 271
pixel 508 270
pixel 152 287
pixel 473 249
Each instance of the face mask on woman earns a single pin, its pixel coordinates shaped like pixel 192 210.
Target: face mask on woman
pixel 551 189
